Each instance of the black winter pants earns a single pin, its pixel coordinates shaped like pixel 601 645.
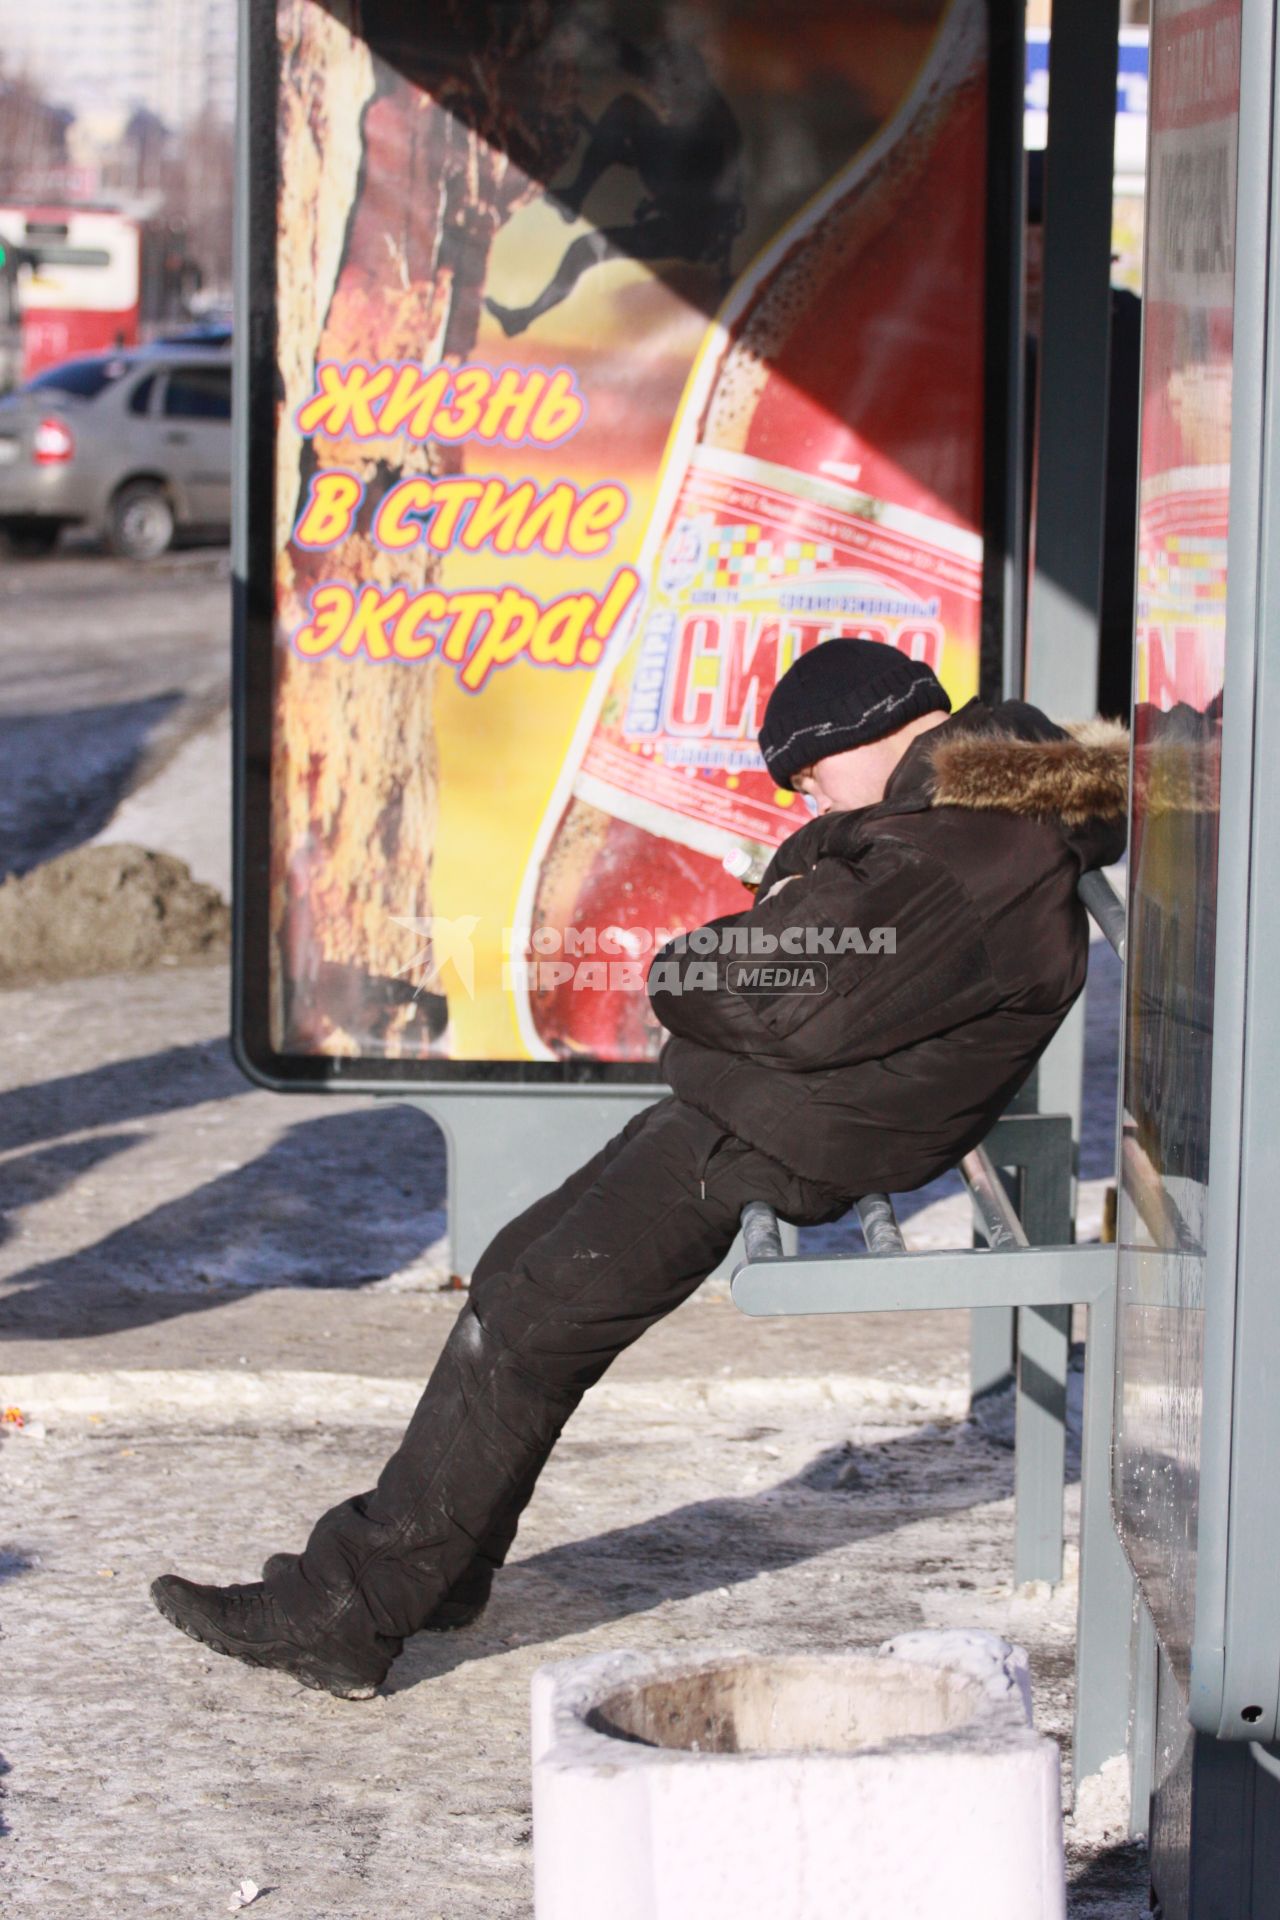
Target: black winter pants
pixel 557 1294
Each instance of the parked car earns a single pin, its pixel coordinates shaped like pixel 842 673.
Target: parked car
pixel 135 445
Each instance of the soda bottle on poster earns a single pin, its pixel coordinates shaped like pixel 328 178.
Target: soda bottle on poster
pixel 823 477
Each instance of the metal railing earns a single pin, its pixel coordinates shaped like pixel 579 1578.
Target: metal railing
pixel 997 1217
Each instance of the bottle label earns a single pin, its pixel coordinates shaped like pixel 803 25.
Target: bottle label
pixel 760 563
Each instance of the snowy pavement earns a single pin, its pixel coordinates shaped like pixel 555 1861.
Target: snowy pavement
pixel 217 1306
pixel 149 1776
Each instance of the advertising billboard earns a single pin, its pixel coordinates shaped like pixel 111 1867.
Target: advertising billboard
pixel 617 355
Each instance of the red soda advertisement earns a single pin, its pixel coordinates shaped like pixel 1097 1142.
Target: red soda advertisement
pixel 619 361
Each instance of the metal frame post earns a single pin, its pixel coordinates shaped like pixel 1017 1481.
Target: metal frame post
pixel 993 1331
pixel 507 1148
pixel 1215 1817
pixel 1004 543
pixel 1235 1658
pixel 1074 359
pixel 1037 1146
pixel 1044 1353
pixel 1143 1678
pixel 1072 405
pixel 1104 1632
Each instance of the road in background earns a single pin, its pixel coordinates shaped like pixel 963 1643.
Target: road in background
pixel 106 669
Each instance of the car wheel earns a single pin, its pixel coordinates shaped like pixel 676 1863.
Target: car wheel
pixel 140 524
pixel 31 539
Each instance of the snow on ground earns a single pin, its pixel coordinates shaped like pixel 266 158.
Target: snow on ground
pixel 193 1295
pixel 218 1306
pixel 186 808
pixel 668 1516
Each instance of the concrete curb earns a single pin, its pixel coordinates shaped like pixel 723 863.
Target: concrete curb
pixel 226 1398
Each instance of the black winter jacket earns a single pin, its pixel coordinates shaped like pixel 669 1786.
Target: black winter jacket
pixel 900 1061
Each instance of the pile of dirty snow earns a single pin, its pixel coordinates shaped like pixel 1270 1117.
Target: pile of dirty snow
pixel 107 909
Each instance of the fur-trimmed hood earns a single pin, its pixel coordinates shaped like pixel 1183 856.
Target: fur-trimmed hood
pixel 1011 758
pixel 1084 776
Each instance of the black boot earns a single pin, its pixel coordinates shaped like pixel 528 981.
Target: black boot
pixel 248 1624
pixel 463 1604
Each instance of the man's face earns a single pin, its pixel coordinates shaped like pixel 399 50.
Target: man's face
pixel 858 776
pixel 855 778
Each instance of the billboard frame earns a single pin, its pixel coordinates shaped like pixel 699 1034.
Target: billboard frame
pixel 253 573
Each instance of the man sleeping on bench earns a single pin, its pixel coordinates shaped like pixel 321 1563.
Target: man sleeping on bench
pixel 910 953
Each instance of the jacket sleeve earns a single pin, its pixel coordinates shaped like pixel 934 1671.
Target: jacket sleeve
pixel 799 851
pixel 851 961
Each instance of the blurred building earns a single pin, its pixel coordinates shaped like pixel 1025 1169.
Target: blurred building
pixel 172 58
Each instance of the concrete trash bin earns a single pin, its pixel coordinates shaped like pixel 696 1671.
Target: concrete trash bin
pixel 906 1784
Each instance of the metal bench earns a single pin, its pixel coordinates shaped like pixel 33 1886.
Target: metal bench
pixel 1030 1264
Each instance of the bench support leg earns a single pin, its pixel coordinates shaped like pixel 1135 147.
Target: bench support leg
pixel 1105 1625
pixel 1044 1346
pixel 991 1350
pixel 1040 1456
pixel 993 1331
pixel 1144 1659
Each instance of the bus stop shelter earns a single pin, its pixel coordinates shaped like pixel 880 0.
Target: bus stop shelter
pixel 571 408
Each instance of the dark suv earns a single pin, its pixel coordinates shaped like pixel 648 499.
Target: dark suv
pixel 134 445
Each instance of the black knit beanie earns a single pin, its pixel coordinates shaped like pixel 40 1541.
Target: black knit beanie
pixel 841 694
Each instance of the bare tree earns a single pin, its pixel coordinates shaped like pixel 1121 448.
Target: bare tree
pixel 198 188
pixel 33 137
